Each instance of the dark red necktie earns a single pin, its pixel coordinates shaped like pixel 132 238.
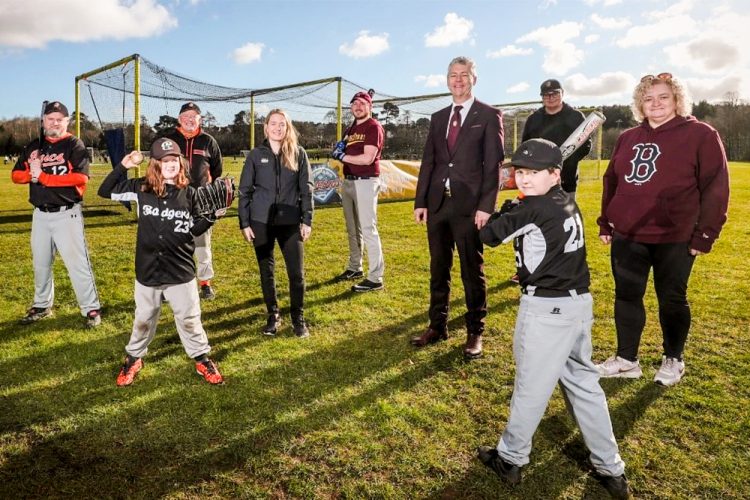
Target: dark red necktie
pixel 454 128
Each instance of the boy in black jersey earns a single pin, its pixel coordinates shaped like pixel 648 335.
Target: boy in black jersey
pixel 552 338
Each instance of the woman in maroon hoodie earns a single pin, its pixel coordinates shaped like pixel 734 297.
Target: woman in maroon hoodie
pixel 665 198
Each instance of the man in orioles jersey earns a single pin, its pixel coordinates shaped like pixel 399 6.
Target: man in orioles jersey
pixel 56 168
pixel 204 160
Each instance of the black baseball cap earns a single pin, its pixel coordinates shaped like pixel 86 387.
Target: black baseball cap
pixel 164 147
pixel 550 85
pixel 537 154
pixel 56 107
pixel 190 106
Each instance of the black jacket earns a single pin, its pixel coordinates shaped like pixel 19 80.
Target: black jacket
pixel 557 128
pixel 166 227
pixel 268 189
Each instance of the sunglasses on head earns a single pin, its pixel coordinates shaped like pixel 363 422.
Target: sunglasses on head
pixel 660 76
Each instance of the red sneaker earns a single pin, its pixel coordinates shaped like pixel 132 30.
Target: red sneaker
pixel 209 371
pixel 129 371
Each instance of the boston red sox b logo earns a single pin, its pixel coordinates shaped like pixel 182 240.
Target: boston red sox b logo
pixel 643 163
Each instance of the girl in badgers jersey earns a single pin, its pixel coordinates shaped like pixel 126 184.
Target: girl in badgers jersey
pixel 164 266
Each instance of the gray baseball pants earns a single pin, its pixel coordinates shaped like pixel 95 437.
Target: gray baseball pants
pixel 62 232
pixel 203 256
pixel 185 303
pixel 552 345
pixel 359 199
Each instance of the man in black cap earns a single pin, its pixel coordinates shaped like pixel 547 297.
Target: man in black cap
pixel 204 159
pixel 56 168
pixel 555 121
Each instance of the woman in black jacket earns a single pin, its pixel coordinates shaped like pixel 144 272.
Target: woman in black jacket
pixel 276 204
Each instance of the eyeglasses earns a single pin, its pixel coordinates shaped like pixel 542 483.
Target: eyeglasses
pixel 660 76
pixel 551 94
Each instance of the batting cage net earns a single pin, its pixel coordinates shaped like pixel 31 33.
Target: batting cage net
pixel 110 98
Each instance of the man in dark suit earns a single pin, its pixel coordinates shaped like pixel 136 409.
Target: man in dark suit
pixel 456 193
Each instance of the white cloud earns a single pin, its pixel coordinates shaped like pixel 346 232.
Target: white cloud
pixel 248 53
pixel 591 38
pixel 562 58
pixel 605 3
pixel 456 29
pixel 519 87
pixel 717 89
pixel 365 45
pixel 552 35
pixel 677 9
pixel 664 29
pixel 610 85
pixel 430 81
pixel 509 50
pixel 705 55
pixel 610 23
pixel 32 25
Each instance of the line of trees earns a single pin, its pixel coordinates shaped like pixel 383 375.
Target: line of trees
pixel 405 136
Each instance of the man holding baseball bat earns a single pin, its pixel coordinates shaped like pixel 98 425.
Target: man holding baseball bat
pixel 555 121
pixel 56 167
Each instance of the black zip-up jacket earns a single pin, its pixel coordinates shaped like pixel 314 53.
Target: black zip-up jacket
pixel 166 227
pixel 267 187
pixel 203 156
pixel 557 128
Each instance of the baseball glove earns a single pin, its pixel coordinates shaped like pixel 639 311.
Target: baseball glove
pixel 216 195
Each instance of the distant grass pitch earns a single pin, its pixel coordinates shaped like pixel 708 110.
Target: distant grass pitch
pixel 354 411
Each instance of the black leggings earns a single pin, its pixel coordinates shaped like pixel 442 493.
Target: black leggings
pixel 631 264
pixel 292 250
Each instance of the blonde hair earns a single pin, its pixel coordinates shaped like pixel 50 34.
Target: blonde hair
pixel 289 144
pixel 155 182
pixel 683 106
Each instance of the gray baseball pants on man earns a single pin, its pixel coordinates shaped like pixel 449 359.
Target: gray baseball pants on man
pixel 185 303
pixel 62 232
pixel 359 199
pixel 551 345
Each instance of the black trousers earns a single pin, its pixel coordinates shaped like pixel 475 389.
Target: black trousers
pixel 447 229
pixel 631 265
pixel 292 249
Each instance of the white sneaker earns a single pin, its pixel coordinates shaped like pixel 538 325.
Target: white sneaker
pixel 615 366
pixel 670 372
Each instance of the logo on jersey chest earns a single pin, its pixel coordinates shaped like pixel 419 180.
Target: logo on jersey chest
pixel 643 164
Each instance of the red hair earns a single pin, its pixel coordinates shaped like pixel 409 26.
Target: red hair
pixel 155 182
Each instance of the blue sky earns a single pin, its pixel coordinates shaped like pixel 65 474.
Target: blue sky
pixel 598 49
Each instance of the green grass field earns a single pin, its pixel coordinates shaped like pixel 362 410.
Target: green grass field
pixel 354 411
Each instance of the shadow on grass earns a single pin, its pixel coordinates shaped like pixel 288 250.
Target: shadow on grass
pixel 170 432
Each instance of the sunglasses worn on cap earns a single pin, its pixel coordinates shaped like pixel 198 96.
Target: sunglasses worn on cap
pixel 660 76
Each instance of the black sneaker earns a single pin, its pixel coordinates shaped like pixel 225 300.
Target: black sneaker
pixel 508 472
pixel 272 324
pixel 349 275
pixel 616 486
pixel 301 330
pixel 93 318
pixel 367 286
pixel 207 293
pixel 35 314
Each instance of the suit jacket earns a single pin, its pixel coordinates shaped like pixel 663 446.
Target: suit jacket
pixel 474 166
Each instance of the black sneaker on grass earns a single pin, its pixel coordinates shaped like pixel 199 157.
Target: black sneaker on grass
pixel 35 314
pixel 300 329
pixel 272 324
pixel 207 292
pixel 349 275
pixel 508 472
pixel 616 486
pixel 367 286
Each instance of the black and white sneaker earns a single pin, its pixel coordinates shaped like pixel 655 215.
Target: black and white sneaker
pixel 35 314
pixel 349 275
pixel 93 318
pixel 367 286
pixel 272 324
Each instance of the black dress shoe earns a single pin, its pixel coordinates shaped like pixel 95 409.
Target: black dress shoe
pixel 272 325
pixel 508 472
pixel 430 336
